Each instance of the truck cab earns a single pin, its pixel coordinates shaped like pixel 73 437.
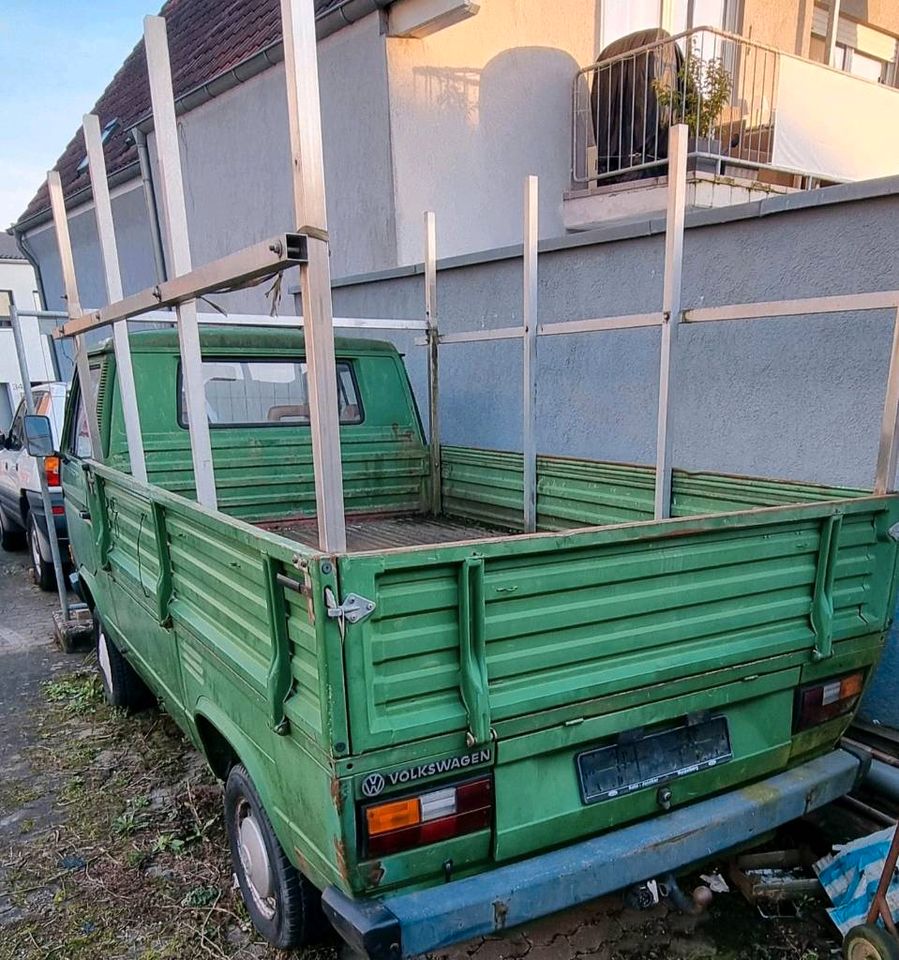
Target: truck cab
pixel 23 519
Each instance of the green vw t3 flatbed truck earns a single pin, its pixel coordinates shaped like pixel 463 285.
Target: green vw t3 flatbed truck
pixel 454 727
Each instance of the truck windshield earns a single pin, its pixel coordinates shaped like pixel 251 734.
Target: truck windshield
pixel 267 392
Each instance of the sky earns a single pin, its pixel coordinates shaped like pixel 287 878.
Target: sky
pixel 57 57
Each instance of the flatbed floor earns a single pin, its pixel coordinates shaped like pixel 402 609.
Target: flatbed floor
pixel 389 532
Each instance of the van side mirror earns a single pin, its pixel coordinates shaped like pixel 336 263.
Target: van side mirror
pixel 38 436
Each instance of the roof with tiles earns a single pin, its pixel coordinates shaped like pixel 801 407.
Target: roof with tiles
pixel 206 38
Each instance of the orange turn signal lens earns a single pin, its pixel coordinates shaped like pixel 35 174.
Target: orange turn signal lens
pixel 51 468
pixel 393 816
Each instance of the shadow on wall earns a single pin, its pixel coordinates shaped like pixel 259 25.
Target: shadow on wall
pixel 477 134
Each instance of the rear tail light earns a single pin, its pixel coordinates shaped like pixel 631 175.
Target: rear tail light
pixel 820 702
pixel 428 817
pixel 51 468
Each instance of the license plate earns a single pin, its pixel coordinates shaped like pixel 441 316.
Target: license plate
pixel 656 758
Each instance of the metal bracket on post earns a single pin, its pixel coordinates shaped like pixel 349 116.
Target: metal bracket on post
pixel 529 361
pixel 671 308
pixel 110 257
pixel 171 185
pixel 433 341
pixel 304 120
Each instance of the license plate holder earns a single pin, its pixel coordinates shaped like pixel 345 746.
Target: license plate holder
pixel 622 768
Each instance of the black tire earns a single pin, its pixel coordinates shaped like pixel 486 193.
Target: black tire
pixel 10 538
pixel 122 687
pixel 867 942
pixel 285 908
pixel 42 571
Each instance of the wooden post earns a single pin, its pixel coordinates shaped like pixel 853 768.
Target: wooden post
pixel 304 118
pixel 671 307
pixel 172 195
pixel 110 256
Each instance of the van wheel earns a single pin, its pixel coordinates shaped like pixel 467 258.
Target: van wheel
pixel 10 539
pixel 283 905
pixel 122 687
pixel 42 571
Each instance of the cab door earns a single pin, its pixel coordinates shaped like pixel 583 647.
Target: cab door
pixel 76 451
pixel 12 449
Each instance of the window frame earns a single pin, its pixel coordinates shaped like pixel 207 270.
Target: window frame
pixel 179 394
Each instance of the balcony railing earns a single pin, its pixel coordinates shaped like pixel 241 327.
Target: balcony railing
pixel 747 105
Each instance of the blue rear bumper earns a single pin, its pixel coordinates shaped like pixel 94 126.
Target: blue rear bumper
pixel 409 924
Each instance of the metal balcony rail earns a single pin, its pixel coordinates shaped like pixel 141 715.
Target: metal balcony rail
pixel 722 86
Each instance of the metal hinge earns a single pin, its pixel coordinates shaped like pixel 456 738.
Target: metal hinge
pixel 353 609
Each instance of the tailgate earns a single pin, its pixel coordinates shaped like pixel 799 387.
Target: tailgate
pixel 472 637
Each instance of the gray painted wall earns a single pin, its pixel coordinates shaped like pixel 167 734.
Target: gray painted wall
pixel 798 398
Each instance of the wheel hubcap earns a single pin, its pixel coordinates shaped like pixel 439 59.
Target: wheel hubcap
pixel 862 950
pixel 254 860
pixel 103 658
pixel 35 551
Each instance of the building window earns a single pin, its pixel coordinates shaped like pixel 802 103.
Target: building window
pixel 619 18
pixel 860 50
pixel 5 301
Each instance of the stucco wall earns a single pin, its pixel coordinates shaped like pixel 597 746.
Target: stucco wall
pixel 19 278
pixel 477 107
pixel 798 398
pixel 236 159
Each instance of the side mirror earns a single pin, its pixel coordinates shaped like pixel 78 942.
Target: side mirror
pixel 2 440
pixel 38 436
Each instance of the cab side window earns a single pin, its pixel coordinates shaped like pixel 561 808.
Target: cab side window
pixel 79 441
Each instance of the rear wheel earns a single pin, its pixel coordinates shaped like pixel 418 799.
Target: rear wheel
pixel 41 570
pixel 867 942
pixel 122 687
pixel 10 538
pixel 283 905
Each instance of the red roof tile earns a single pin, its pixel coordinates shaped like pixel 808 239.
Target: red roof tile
pixel 206 38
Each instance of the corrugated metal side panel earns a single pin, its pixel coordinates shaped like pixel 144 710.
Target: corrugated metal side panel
pixel 268 477
pixel 132 554
pixel 305 698
pixel 219 595
pixel 486 485
pixel 583 616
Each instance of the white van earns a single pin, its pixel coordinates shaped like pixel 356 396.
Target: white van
pixel 22 516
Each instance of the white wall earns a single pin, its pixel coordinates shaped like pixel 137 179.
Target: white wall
pixel 477 107
pixel 18 276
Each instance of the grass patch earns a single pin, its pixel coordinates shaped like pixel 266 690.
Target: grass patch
pixel 139 865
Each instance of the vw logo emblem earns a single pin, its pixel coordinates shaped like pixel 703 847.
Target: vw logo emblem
pixel 373 785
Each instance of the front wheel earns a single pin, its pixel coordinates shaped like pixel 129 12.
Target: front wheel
pixel 867 942
pixel 122 687
pixel 41 570
pixel 283 905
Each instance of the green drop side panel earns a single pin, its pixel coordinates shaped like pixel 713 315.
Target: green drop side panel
pixel 568 619
pixel 486 486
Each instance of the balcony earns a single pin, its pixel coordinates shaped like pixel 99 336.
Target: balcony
pixel 760 121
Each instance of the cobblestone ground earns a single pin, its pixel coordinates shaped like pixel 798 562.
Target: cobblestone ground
pixel 33 809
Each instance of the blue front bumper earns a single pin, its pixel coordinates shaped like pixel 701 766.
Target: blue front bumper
pixel 409 924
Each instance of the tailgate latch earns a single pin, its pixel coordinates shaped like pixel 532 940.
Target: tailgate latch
pixel 353 609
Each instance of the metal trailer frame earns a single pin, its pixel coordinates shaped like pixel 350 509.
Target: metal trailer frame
pixel 308 247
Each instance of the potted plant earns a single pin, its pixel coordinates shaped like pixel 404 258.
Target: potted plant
pixel 702 91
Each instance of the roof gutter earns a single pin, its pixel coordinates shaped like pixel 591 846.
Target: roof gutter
pixel 328 23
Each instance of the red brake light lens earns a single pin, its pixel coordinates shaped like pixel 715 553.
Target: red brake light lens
pixel 819 702
pixel 51 468
pixel 416 821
